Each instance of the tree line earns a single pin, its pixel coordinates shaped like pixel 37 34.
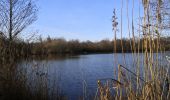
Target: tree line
pixel 62 46
pixel 50 46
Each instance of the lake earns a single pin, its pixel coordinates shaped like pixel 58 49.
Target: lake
pixel 76 76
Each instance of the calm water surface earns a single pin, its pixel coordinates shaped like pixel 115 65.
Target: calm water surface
pixel 71 74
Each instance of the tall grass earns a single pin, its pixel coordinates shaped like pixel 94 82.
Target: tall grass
pixel 24 81
pixel 146 81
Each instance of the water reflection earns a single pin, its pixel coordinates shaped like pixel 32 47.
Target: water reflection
pixel 75 75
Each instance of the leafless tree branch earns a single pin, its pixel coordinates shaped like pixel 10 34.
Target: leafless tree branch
pixel 15 16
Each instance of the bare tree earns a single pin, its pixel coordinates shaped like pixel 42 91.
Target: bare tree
pixel 15 16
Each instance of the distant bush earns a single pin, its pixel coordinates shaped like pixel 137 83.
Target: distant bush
pixel 61 46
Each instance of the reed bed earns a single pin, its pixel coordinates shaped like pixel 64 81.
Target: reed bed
pixel 148 80
pixel 24 81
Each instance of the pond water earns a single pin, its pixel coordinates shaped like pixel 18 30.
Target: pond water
pixel 76 76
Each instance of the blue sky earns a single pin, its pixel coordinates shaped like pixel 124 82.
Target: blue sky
pixel 81 19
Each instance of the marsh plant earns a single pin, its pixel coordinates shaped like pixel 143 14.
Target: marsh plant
pixel 149 80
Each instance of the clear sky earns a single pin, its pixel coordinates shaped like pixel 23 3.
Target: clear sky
pixel 81 19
